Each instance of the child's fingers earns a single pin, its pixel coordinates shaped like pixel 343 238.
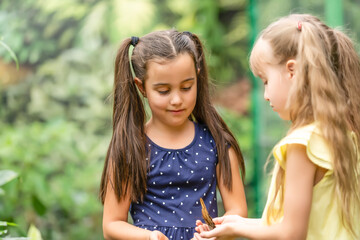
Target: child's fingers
pixel 218 220
pixel 197 236
pixel 216 232
pixel 198 222
pixel 202 227
pixel 157 235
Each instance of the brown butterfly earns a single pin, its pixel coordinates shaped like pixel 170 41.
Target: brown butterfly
pixel 206 215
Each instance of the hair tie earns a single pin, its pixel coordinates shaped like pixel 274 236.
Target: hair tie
pixel 299 25
pixel 134 40
pixel 188 33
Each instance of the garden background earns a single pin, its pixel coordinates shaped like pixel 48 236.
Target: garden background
pixel 55 111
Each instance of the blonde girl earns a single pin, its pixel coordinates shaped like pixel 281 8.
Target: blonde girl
pixel 159 169
pixel 311 74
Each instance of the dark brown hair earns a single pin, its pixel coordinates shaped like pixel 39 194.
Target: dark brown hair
pixel 125 163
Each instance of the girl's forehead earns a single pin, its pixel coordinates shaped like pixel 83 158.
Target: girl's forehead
pixel 180 68
pixel 261 54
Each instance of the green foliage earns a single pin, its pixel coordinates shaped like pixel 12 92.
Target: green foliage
pixel 6 176
pixel 223 27
pixel 37 30
pixel 52 188
pixel 56 124
pixel 57 144
pixel 11 53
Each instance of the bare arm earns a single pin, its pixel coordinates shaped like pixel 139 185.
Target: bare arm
pixel 115 216
pixel 299 181
pixel 234 201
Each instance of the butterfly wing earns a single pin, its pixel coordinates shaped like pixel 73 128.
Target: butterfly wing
pixel 206 216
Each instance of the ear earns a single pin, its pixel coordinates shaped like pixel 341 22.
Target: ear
pixel 290 68
pixel 140 86
pixel 198 71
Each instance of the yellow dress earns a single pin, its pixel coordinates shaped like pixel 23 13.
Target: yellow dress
pixel 325 216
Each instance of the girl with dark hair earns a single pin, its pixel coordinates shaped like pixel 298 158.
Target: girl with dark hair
pixel 159 169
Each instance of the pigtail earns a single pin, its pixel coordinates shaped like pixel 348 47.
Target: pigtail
pixel 328 70
pixel 206 113
pixel 349 74
pixel 124 163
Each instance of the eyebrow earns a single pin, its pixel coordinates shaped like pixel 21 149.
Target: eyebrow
pixel 166 84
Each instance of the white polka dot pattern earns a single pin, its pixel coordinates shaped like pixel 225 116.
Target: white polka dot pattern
pixel 176 181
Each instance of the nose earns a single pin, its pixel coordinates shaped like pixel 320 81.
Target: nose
pixel 176 98
pixel 266 97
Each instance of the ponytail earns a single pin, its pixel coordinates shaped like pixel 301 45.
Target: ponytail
pixel 124 168
pixel 349 171
pixel 349 73
pixel 206 113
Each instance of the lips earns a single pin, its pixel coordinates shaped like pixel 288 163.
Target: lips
pixel 176 111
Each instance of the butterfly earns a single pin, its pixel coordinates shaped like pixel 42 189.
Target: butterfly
pixel 206 215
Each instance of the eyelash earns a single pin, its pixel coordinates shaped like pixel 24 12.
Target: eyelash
pixel 167 91
pixel 163 92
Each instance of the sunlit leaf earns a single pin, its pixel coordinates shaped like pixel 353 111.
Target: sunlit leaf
pixel 3 232
pixel 34 233
pixel 3 223
pixel 7 176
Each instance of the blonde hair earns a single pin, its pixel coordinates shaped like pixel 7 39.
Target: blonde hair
pixel 325 90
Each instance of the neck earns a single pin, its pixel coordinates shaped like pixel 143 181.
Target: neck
pixel 173 137
pixel 154 125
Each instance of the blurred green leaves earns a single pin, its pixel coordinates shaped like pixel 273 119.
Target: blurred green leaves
pixel 39 30
pixel 7 176
pixel 58 181
pixel 56 121
pixel 11 53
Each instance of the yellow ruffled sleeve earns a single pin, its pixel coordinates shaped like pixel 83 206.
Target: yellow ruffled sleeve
pixel 310 136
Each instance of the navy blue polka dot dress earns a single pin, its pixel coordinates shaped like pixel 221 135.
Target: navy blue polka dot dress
pixel 178 178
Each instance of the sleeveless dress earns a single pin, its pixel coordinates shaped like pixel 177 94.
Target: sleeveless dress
pixel 325 216
pixel 176 181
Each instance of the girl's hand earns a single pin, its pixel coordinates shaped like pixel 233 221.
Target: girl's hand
pixel 221 232
pixel 157 235
pixel 222 228
pixel 229 219
pixel 198 237
pixel 200 226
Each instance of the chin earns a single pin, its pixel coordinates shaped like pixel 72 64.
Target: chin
pixel 285 118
